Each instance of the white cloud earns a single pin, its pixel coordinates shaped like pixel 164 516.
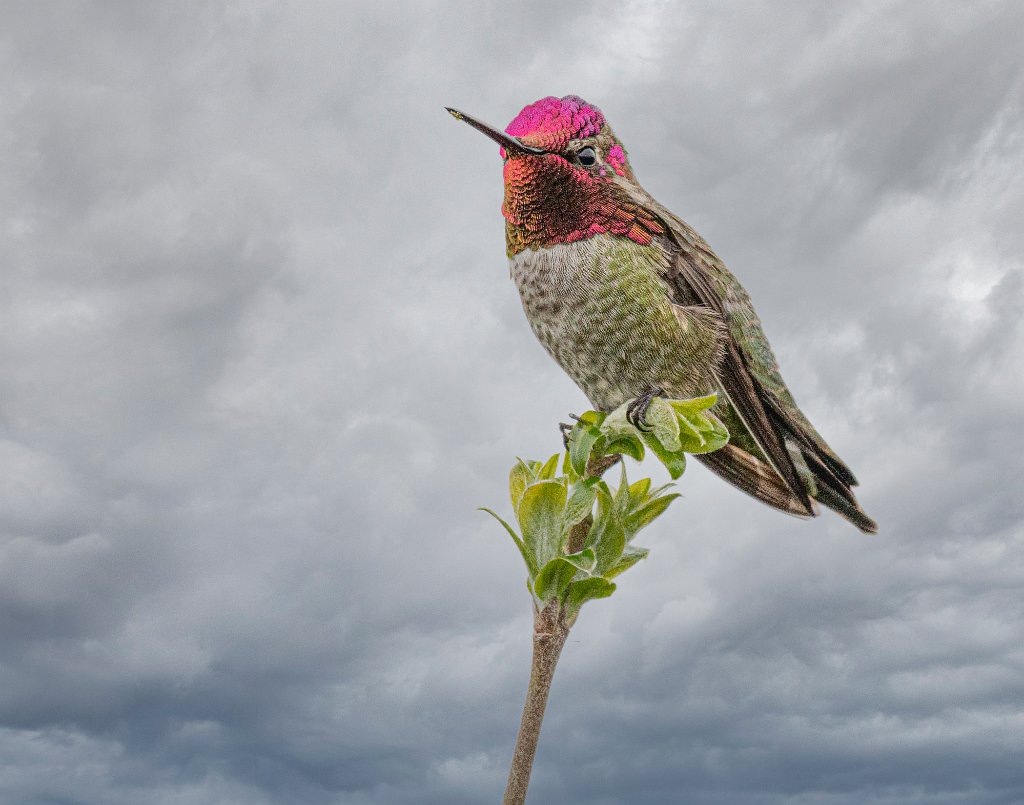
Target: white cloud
pixel 251 265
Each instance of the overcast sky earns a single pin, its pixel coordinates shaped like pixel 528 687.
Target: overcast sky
pixel 260 359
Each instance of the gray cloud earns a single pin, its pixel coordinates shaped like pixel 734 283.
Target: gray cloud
pixel 250 264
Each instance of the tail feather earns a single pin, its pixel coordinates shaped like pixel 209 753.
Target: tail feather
pixel 822 475
pixel 755 477
pixel 844 504
pixel 795 426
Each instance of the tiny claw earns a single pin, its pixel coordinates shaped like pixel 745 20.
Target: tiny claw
pixel 566 429
pixel 636 411
pixel 632 418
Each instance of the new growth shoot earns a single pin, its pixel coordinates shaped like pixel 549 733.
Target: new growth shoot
pixel 576 531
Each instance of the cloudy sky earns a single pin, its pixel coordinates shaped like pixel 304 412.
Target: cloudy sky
pixel 260 360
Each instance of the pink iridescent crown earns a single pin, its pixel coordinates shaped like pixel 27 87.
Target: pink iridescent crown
pixel 552 122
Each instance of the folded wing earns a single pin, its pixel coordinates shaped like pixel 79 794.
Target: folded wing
pixel 775 454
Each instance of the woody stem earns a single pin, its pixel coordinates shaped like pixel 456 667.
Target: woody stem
pixel 549 634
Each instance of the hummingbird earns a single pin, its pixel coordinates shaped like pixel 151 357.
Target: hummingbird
pixel 632 303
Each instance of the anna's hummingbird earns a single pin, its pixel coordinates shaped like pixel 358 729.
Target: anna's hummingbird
pixel 631 302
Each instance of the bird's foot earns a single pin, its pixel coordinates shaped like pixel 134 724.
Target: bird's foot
pixel 637 410
pixel 566 429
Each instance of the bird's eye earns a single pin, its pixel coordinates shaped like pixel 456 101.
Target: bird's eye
pixel 586 156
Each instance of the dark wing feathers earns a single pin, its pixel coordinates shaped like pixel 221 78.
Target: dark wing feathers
pixel 739 385
pixel 809 440
pixel 800 465
pixel 755 477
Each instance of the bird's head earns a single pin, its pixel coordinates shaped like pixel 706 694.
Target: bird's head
pixel 567 177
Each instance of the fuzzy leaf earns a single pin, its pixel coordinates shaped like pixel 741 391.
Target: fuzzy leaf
pixel 585 560
pixel 657 492
pixel 639 490
pixel 621 498
pixel 605 502
pixel 609 542
pixel 540 519
pixel 581 501
pixel 547 472
pixel 627 444
pixel 675 463
pixel 553 578
pixel 630 557
pixel 587 590
pixel 714 433
pixel 689 408
pixel 567 469
pixel 620 435
pixel 531 565
pixel 664 424
pixel 581 442
pixel 690 436
pixel 519 478
pixel 647 513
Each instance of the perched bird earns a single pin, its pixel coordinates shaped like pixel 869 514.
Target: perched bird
pixel 631 302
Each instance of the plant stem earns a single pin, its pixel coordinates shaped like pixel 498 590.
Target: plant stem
pixel 550 631
pixel 549 634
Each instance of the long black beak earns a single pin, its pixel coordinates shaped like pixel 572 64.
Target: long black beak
pixel 510 143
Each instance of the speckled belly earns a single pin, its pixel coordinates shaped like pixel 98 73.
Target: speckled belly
pixel 602 309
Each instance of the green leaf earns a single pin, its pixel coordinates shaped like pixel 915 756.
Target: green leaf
pixel 657 492
pixel 553 578
pixel 581 501
pixel 609 541
pixel 567 469
pixel 647 513
pixel 691 438
pixel 630 557
pixel 621 497
pixel 585 560
pixel 628 444
pixel 638 491
pixel 620 435
pixel 581 441
pixel 605 502
pixel 519 478
pixel 714 433
pixel 675 463
pixel 587 590
pixel 664 424
pixel 694 406
pixel 595 418
pixel 531 566
pixel 547 472
pixel 540 519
